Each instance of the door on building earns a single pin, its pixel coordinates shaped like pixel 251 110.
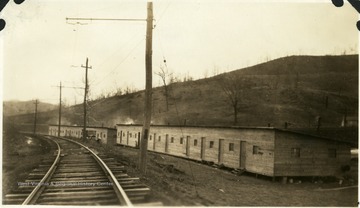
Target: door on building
pixel 138 140
pixel 203 147
pixel 221 151
pixel 154 141
pixel 188 146
pixel 242 154
pixel 121 135
pixel 167 143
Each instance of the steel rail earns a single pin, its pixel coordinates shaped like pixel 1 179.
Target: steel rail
pixel 120 193
pixel 36 191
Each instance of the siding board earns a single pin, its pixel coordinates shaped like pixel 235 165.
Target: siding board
pixel 273 149
pixel 314 157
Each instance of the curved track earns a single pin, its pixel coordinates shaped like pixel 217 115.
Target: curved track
pixel 79 177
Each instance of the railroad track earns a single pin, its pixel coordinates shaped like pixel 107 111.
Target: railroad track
pixel 78 176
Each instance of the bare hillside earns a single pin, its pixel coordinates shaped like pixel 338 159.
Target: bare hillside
pixel 296 90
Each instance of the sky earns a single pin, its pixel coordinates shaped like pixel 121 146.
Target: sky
pixel 40 48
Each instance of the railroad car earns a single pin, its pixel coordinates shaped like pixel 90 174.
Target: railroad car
pixel 261 150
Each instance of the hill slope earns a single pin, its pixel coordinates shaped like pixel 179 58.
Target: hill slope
pixel 12 108
pixel 296 90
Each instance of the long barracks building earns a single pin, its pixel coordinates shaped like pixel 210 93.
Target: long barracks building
pixel 261 150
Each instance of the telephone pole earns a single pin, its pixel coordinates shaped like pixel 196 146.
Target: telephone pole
pixel 85 94
pixel 60 87
pixel 59 127
pixel 148 89
pixel 148 85
pixel 36 104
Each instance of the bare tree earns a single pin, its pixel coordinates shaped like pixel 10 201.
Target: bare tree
pixel 165 75
pixel 130 89
pixel 216 70
pixel 206 73
pixel 234 88
pixel 118 91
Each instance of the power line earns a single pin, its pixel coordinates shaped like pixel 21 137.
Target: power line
pixel 74 87
pixel 121 47
pixel 108 19
pixel 162 14
pixel 102 19
pixel 122 61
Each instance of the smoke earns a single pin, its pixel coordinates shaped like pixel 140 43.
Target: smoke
pixel 122 120
pixel 158 121
pixel 64 121
pixel 128 121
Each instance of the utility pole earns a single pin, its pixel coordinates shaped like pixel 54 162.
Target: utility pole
pixel 59 127
pixel 148 89
pixel 85 94
pixel 148 85
pixel 36 104
pixel 60 87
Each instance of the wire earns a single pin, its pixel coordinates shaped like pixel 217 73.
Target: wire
pixel 122 61
pixel 162 14
pixel 102 19
pixel 106 59
pixel 159 37
pixel 182 133
pixel 75 41
pixel 76 23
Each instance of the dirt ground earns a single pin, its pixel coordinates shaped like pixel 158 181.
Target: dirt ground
pixel 180 182
pixel 21 154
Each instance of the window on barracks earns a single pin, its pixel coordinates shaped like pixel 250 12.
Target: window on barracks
pixel 332 153
pixel 195 142
pixel 150 137
pixel 231 146
pixel 181 140
pixel 295 152
pixel 255 150
pixel 159 138
pixel 172 139
pixel 123 134
pixel 211 144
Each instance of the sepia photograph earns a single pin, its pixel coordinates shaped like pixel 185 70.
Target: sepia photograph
pixel 180 103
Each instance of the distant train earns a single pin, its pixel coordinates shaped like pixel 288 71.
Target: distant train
pixel 261 150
